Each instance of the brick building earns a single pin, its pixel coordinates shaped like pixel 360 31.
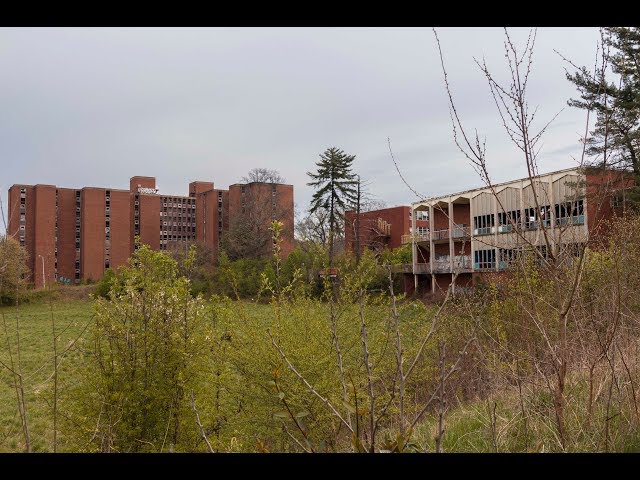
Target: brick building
pixel 76 234
pixel 386 227
pixel 479 232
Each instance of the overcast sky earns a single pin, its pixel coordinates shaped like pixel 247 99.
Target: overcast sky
pixel 95 106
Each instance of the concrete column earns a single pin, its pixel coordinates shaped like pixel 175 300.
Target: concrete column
pixel 451 225
pixel 431 252
pixel 495 234
pixel 451 244
pixel 471 236
pixel 552 214
pixel 414 246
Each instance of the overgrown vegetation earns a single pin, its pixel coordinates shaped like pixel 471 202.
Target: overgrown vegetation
pixel 303 370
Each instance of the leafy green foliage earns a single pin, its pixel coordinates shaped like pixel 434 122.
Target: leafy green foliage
pixel 13 269
pixel 149 344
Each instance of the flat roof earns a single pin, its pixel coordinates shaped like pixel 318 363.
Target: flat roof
pixel 502 184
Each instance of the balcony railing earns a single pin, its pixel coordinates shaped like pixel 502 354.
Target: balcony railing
pixel 461 231
pixel 442 264
pixel 441 235
pixel 422 268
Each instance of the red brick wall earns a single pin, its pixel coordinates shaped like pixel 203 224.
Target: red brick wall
pixel 284 202
pixel 31 228
pixel 440 219
pixel 92 218
pixel 422 255
pixel 45 231
pixel 441 248
pixel 462 248
pixel 443 280
pixel 225 211
pixel 66 233
pixel 142 182
pixel 150 220
pixel 397 217
pixel 199 187
pixel 601 187
pixel 207 219
pixel 461 214
pixel 120 222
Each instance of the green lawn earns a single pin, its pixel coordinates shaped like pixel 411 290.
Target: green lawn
pixel 73 323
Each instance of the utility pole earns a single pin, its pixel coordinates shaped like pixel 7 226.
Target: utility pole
pixel 44 283
pixel 357 229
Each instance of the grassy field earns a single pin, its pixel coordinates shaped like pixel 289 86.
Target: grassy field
pixel 34 324
pixel 469 426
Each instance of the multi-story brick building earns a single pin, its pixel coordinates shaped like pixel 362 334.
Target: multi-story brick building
pixel 76 234
pixel 480 231
pixel 386 227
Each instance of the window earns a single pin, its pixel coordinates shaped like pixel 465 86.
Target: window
pixel 422 230
pixel 570 213
pixel 422 215
pixel 506 221
pixel 618 201
pixel 484 259
pixel 530 218
pixel 507 256
pixel 484 224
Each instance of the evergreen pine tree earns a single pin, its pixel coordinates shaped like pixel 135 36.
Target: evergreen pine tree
pixel 615 138
pixel 335 185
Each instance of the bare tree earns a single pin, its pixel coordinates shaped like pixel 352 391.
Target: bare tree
pixel 263 175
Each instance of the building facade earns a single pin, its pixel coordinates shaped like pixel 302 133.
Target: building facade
pixel 482 231
pixel 383 228
pixel 76 234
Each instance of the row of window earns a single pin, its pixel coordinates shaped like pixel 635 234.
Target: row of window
pixel 420 214
pixel 78 233
pixel 486 259
pixel 177 224
pixel 565 213
pixel 219 217
pixel 136 212
pixel 171 213
pixel 420 230
pixel 55 244
pixel 23 212
pixel 107 230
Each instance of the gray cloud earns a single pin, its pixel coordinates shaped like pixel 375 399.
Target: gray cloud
pixel 96 106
